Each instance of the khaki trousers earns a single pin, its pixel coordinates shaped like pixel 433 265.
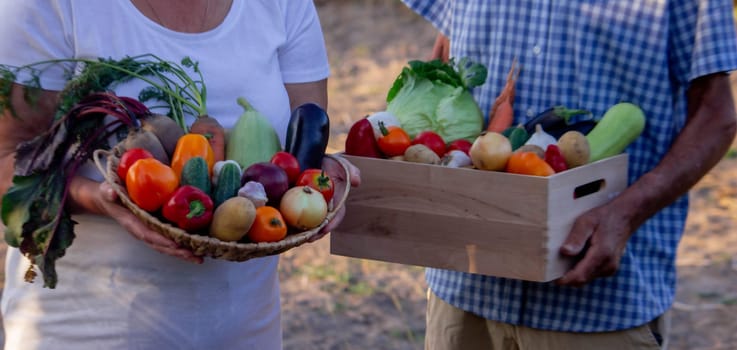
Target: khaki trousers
pixel 450 328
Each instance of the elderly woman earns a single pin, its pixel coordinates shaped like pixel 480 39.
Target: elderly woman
pixel 116 289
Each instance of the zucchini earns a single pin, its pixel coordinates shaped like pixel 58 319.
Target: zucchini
pixel 229 182
pixel 195 172
pixel 617 129
pixel 252 139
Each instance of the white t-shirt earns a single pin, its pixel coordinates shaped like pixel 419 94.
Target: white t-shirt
pixel 114 292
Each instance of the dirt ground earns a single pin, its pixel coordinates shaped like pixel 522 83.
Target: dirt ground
pixel 337 303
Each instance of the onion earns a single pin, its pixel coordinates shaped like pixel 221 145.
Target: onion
pixel 271 176
pixel 490 151
pixel 303 208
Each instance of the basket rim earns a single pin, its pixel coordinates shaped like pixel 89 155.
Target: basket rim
pixel 107 161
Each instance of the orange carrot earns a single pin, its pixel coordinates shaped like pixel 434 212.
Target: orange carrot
pixel 501 115
pixel 213 131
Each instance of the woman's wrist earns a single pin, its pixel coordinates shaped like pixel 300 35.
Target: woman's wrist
pixel 83 196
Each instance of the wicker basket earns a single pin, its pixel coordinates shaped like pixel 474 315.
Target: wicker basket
pixel 107 163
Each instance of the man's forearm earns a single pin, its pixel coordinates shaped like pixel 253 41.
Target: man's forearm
pixel 708 134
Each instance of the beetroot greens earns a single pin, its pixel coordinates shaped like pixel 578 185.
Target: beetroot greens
pixel 34 209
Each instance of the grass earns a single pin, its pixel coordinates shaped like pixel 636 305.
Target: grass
pixel 731 154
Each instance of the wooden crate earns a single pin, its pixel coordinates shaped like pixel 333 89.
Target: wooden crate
pixel 483 222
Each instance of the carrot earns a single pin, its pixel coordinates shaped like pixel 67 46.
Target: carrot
pixel 501 115
pixel 213 131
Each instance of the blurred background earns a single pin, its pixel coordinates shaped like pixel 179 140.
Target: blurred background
pixel 337 303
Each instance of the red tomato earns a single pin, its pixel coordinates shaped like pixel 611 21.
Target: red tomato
pixel 289 163
pixel 461 145
pixel 318 180
pixel 432 140
pixel 128 158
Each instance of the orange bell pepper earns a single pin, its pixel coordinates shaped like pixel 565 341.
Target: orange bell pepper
pixel 393 140
pixel 528 163
pixel 189 146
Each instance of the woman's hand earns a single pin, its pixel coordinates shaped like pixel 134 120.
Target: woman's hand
pixel 335 171
pixel 106 202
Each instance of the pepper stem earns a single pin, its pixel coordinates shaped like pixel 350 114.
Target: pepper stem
pixel 196 208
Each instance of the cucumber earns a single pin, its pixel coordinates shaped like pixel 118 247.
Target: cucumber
pixel 618 128
pixel 229 182
pixel 196 173
pixel 517 136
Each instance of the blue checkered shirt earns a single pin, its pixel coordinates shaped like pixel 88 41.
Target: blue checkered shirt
pixel 590 54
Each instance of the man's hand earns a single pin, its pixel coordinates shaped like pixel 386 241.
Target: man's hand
pixel 599 237
pixel 441 48
pixel 605 230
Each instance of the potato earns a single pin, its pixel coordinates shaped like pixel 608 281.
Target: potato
pixel 532 148
pixel 232 219
pixel 575 148
pixel 420 153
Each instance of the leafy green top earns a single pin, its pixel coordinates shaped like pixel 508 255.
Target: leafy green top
pixel 167 81
pixel 464 73
pixel 34 209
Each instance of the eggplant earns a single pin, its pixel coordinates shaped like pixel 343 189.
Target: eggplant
pixel 583 127
pixel 307 135
pixel 557 117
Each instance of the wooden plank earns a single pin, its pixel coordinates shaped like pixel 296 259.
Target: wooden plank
pixel 469 220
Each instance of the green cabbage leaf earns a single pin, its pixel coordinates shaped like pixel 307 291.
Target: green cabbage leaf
pixel 436 96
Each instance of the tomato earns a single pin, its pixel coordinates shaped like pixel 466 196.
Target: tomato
pixel 393 140
pixel 318 180
pixel 269 225
pixel 128 158
pixel 432 140
pixel 289 163
pixel 461 145
pixel 150 183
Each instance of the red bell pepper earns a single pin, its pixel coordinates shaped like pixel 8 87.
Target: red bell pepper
pixel 361 141
pixel 189 208
pixel 555 159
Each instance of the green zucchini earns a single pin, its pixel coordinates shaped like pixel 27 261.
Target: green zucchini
pixel 618 128
pixel 196 173
pixel 228 184
pixel 252 139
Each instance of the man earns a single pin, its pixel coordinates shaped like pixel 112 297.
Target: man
pixel 670 58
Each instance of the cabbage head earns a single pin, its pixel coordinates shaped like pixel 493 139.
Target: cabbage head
pixel 436 96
